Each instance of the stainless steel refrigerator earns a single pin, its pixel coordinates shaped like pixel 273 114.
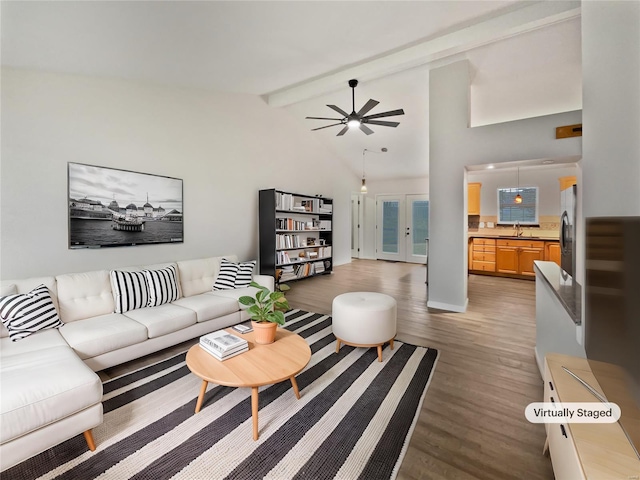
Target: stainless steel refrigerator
pixel 567 229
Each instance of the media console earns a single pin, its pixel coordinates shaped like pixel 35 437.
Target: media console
pixel 583 450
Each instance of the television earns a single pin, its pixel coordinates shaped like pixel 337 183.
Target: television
pixel 612 314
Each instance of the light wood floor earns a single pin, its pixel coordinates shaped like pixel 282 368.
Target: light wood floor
pixel 472 423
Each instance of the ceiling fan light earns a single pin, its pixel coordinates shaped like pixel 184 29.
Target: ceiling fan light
pixel 353 123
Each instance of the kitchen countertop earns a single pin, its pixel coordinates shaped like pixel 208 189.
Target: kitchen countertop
pixel 566 289
pixel 511 237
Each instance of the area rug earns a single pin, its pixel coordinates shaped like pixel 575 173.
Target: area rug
pixel 354 420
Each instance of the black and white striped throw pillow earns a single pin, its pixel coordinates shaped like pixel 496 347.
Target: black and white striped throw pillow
pixel 163 285
pixel 227 276
pixel 130 290
pixel 24 314
pixel 234 275
pixel 245 274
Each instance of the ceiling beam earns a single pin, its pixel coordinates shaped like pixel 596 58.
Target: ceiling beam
pixel 500 27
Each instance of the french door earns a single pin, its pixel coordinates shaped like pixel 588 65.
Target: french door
pixel 402 227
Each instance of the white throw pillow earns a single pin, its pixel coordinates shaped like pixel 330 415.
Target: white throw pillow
pixel 24 314
pixel 163 285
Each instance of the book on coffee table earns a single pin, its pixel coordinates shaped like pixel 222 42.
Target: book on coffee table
pixel 225 356
pixel 223 342
pixel 244 327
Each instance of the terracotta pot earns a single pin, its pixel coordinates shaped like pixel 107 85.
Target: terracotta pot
pixel 264 332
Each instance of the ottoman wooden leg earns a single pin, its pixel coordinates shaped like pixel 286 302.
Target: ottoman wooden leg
pixel 337 345
pixel 379 353
pixel 391 343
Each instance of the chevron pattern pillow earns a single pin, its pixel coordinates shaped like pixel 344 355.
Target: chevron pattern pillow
pixel 25 314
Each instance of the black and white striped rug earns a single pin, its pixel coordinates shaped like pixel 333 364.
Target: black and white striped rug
pixel 353 420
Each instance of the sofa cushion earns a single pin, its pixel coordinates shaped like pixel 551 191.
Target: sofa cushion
pixel 130 290
pixel 236 293
pixel 84 295
pixel 43 386
pixel 28 313
pixel 163 319
pixel 197 276
pixel 163 285
pixel 37 341
pixel 97 335
pixel 208 306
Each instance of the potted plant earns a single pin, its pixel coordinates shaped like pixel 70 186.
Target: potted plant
pixel 266 311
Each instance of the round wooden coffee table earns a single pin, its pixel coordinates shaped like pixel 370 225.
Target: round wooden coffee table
pixel 261 365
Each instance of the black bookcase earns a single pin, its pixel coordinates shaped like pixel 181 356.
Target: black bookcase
pixel 296 237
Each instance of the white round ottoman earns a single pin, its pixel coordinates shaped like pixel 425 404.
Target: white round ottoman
pixel 364 319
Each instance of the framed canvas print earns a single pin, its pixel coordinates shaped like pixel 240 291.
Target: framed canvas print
pixel 110 207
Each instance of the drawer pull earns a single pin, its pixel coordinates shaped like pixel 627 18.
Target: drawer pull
pixel 564 432
pixel 551 385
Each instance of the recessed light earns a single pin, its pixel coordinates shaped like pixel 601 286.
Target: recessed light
pixel 548 162
pixel 490 166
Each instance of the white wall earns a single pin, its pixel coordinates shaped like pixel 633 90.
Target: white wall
pixel 611 91
pixel 404 186
pixel 224 146
pixel 546 179
pixel 452 147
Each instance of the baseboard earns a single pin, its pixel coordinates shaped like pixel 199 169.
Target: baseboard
pixel 448 306
pixel 539 361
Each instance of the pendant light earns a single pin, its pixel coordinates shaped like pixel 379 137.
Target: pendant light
pixel 518 197
pixel 363 188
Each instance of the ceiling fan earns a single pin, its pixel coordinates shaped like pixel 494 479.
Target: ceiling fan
pixel 360 119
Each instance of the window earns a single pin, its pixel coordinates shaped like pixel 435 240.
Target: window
pixel 510 212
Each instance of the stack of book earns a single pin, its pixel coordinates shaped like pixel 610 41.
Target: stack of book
pixel 223 345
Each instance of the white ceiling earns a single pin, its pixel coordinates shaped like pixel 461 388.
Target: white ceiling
pixel 299 55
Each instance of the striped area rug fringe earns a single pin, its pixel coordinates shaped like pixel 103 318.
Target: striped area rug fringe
pixel 353 421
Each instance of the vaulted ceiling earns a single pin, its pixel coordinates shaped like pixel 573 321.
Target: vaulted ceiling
pixel 299 55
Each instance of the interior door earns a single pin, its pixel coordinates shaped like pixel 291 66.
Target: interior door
pixel 390 227
pixel 355 226
pixel 417 228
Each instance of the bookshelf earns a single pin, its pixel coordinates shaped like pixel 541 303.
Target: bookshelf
pixel 295 235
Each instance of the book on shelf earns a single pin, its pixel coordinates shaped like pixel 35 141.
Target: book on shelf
pixel 222 357
pixel 223 342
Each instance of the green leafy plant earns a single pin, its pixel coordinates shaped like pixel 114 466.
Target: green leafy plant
pixel 266 306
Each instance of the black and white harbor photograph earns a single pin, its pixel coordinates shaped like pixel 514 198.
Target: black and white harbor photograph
pixel 109 207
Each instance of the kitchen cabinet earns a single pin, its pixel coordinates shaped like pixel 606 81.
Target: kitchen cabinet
pixel 566 182
pixel 473 198
pixel 516 257
pixel 552 252
pixel 483 255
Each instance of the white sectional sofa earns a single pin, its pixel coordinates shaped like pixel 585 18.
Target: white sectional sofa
pixel 50 391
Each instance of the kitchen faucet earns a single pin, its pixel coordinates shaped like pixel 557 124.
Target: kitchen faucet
pixel 517 229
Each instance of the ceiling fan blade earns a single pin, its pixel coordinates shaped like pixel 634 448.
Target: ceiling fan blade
pixel 380 122
pixel 367 107
pixel 365 129
pixel 323 118
pixel 386 114
pixel 339 110
pixel 343 131
pixel 326 126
